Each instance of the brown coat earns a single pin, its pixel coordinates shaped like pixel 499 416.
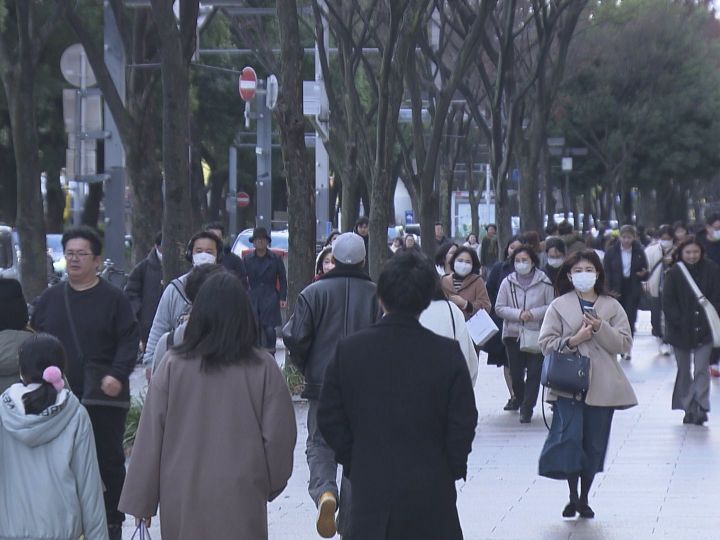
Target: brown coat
pixel 212 448
pixel 473 290
pixel 609 387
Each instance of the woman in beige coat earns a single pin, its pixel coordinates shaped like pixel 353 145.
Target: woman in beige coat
pixel 585 320
pixel 217 432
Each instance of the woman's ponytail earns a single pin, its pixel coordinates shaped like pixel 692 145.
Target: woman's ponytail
pixel 43 397
pixel 42 359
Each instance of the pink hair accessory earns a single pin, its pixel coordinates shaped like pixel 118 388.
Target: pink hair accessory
pixel 53 375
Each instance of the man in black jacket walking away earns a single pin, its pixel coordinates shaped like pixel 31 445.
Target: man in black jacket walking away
pixel 398 409
pixel 230 261
pixel 95 323
pixel 144 289
pixel 339 304
pixel 626 268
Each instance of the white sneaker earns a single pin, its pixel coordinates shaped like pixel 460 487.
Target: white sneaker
pixel 665 349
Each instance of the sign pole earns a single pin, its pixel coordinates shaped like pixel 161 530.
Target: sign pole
pixel 263 150
pixel 230 204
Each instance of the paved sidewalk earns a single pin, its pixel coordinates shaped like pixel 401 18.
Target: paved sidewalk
pixel 661 480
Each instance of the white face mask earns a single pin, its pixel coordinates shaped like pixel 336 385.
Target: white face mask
pixel 462 269
pixel 523 268
pixel 716 234
pixel 203 258
pixel 555 262
pixel 583 281
pixel 666 244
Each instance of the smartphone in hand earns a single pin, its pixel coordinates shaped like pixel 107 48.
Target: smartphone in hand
pixel 591 312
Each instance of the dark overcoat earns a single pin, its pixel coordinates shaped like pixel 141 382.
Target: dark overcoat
pixel 398 409
pixel 686 325
pixel 144 289
pixel 614 269
pixel 268 286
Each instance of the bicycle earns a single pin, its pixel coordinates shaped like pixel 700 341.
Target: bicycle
pixel 112 275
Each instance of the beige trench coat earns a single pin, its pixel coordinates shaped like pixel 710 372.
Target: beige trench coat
pixel 609 387
pixel 212 449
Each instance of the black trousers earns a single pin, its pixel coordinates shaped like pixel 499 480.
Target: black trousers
pixel 109 429
pixel 656 316
pixel 630 301
pixel 267 336
pixel 526 390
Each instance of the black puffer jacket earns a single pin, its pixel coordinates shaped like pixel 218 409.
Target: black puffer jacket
pixel 342 302
pixel 686 325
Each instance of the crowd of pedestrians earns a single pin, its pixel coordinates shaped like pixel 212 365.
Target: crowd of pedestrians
pixel 389 371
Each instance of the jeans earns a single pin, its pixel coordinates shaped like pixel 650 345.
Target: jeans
pixel 108 425
pixel 323 470
pixel 525 389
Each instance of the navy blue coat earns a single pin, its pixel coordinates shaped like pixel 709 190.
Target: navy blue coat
pixel 268 286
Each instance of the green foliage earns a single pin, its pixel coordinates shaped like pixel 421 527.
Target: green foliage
pixel 133 421
pixel 643 93
pixel 295 380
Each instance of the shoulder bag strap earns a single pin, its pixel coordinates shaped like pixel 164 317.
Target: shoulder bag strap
pixel 695 289
pixel 452 318
pixel 71 322
pixel 180 291
pixel 652 271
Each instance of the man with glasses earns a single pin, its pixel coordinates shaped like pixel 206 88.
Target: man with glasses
pixel 96 324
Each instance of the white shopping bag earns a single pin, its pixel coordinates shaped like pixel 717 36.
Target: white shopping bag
pixel 481 327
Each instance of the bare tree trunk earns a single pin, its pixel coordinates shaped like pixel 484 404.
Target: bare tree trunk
pixel 176 45
pixel 27 37
pixel 301 189
pixel 21 96
pixel 350 204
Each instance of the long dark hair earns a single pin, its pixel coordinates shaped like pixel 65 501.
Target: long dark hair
pixel 442 252
pixel 689 240
pixel 563 285
pixel 36 354
pixel 222 328
pixel 513 238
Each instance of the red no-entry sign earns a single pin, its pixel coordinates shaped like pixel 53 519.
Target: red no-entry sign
pixel 248 83
pixel 243 199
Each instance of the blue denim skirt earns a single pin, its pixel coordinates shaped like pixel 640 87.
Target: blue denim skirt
pixel 577 441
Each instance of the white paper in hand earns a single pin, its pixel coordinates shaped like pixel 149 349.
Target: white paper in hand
pixel 481 327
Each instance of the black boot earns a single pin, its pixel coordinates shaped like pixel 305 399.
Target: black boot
pixel 115 532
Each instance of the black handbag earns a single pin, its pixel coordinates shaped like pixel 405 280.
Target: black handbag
pixel 568 373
